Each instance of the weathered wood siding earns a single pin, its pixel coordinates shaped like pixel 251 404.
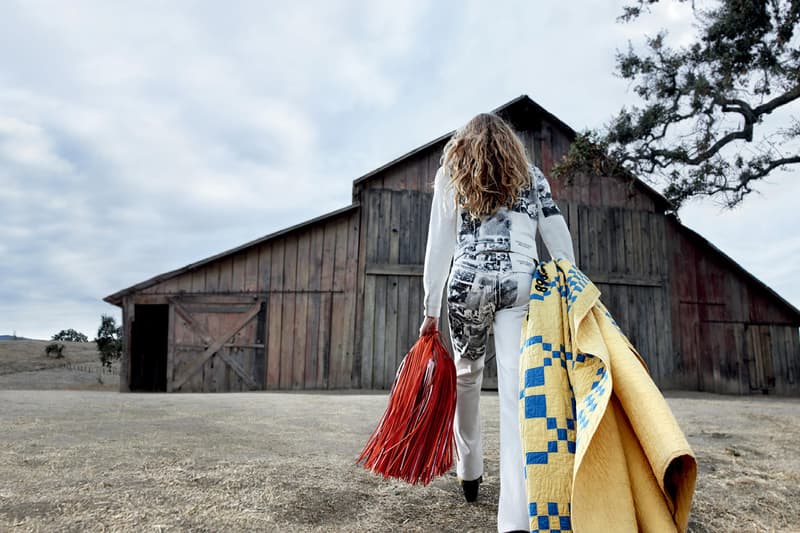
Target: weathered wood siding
pixel 728 336
pixel 618 237
pixel 302 332
pixel 390 280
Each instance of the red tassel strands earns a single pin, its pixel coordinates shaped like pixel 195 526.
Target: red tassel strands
pixel 414 439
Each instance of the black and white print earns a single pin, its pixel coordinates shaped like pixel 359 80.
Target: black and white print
pixel 549 207
pixel 473 297
pixel 508 234
pixel 493 265
pixel 503 244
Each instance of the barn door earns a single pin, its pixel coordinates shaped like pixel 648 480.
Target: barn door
pixel 218 345
pixel 759 358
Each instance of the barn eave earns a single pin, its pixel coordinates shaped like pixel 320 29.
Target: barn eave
pixel 116 298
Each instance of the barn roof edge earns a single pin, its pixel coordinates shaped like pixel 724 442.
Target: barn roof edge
pixel 116 298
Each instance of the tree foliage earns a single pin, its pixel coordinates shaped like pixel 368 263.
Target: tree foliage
pixel 701 125
pixel 70 335
pixel 54 349
pixel 109 340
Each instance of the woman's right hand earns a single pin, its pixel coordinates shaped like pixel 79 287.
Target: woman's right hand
pixel 429 325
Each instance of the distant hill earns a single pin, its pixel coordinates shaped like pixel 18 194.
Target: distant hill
pixel 27 355
pixel 13 338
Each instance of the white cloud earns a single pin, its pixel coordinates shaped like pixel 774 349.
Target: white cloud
pixel 28 146
pixel 137 138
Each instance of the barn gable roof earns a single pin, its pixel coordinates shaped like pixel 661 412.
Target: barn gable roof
pixel 116 298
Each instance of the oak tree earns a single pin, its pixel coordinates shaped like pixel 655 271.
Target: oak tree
pixel 701 123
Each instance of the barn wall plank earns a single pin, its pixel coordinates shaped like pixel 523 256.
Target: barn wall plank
pixel 259 368
pixel 289 304
pixel 369 324
pixel 392 286
pixel 379 335
pixel 196 382
pixel 615 241
pixel 198 280
pixel 265 267
pixel 337 354
pixel 209 370
pixel 340 255
pixel 792 348
pixel 324 339
pixel 627 224
pixel 184 282
pixel 586 243
pixel 368 333
pixel 275 314
pixel 314 306
pixel 645 246
pixel 359 355
pixel 352 363
pixel 301 311
pixel 336 358
pixel 328 256
pixel 238 271
pixel 777 355
pixel 170 346
pixel 125 362
pixel 212 276
pixel 404 332
pixel 225 274
pixel 390 332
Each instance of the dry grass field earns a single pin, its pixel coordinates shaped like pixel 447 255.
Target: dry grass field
pixel 28 355
pixel 24 365
pixel 103 461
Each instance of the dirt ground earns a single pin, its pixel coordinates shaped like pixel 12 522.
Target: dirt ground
pixel 104 461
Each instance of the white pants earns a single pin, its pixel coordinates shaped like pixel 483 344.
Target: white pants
pixel 477 300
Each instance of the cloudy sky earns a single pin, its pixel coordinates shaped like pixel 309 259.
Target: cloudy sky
pixel 138 137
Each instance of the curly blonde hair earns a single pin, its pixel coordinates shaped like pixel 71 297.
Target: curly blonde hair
pixel 487 165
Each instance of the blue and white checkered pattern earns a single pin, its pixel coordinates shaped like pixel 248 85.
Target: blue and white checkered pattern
pixel 552 518
pixel 560 395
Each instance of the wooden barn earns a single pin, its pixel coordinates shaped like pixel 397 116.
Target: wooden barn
pixel 335 302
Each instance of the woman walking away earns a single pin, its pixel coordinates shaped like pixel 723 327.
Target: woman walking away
pixel 488 202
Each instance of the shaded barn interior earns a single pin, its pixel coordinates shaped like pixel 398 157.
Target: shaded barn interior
pixel 149 348
pixel 335 302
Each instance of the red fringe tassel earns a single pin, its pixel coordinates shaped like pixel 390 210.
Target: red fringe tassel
pixel 414 439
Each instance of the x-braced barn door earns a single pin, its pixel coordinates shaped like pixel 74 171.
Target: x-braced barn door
pixel 217 344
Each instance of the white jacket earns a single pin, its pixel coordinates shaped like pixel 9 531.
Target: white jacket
pixel 452 234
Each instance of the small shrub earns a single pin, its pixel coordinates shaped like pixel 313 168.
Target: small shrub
pixel 54 349
pixel 109 340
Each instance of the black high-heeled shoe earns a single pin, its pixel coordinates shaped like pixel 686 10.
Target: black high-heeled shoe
pixel 470 488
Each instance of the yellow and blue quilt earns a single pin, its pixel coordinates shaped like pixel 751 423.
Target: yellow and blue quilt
pixel 602 450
